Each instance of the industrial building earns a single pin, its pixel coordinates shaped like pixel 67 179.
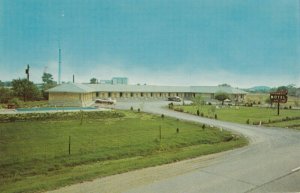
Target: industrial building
pixel 115 80
pixel 74 94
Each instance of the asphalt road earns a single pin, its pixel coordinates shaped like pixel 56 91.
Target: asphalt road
pixel 271 163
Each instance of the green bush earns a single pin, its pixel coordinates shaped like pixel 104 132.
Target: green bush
pixel 248 121
pixel 14 101
pixel 60 116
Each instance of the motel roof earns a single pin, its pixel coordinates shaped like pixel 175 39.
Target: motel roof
pixel 72 88
pixel 87 88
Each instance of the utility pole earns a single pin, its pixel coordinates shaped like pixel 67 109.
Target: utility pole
pixel 59 47
pixel 59 65
pixel 27 71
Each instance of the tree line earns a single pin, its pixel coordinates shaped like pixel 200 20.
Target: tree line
pixel 25 90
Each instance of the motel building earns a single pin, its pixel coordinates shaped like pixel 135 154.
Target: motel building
pixel 75 94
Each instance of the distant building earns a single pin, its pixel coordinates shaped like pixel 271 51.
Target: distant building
pixel 85 94
pixel 105 81
pixel 115 80
pixel 119 80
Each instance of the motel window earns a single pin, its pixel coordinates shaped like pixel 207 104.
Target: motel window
pixel 176 94
pixel 121 94
pixel 142 94
pixel 109 94
pixel 97 94
pixel 131 94
pixel 169 94
pixel 160 94
pixel 151 94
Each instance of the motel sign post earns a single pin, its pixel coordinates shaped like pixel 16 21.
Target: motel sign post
pixel 278 97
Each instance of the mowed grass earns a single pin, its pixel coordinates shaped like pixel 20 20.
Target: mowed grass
pixel 293 124
pixel 29 104
pixel 34 156
pixel 261 98
pixel 242 114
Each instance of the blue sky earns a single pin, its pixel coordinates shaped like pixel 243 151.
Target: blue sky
pixel 166 42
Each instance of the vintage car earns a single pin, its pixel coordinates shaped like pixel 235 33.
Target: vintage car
pixel 106 101
pixel 175 98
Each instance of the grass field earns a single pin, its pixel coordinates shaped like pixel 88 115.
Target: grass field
pixel 29 104
pixel 242 114
pixel 261 98
pixel 294 124
pixel 34 156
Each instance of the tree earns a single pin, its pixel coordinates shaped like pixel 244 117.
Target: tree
pixel 5 95
pixel 225 85
pixel 47 84
pixel 292 90
pixel 93 81
pixel 47 78
pixel 268 101
pixel 221 96
pixel 1 83
pixel 198 101
pixel 282 88
pixel 25 89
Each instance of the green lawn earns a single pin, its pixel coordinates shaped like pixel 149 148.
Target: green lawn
pixel 29 104
pixel 261 98
pixel 294 124
pixel 242 114
pixel 34 155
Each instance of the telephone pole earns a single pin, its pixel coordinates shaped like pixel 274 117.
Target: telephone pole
pixel 27 71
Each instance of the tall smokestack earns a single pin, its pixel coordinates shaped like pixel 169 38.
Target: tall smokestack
pixel 73 78
pixel 59 65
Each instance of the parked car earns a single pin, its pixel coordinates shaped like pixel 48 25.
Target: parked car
pixel 106 101
pixel 176 99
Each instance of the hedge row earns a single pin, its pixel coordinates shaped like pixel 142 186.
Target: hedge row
pixel 60 116
pixel 276 120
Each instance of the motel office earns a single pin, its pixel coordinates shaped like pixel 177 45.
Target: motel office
pixel 74 94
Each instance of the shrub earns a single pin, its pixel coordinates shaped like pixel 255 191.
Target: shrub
pixel 60 116
pixel 198 112
pixel 202 114
pixel 248 121
pixel 216 116
pixel 139 110
pixel 255 123
pixel 228 138
pixel 14 101
pixel 203 126
pixel 131 108
pixel 179 109
pixel 12 119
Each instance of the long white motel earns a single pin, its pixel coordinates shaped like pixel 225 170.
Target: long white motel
pixel 75 94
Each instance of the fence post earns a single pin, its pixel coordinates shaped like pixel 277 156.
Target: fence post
pixel 69 145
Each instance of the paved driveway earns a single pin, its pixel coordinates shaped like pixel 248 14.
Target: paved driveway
pixel 271 163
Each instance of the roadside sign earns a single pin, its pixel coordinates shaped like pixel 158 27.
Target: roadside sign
pixel 279 97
